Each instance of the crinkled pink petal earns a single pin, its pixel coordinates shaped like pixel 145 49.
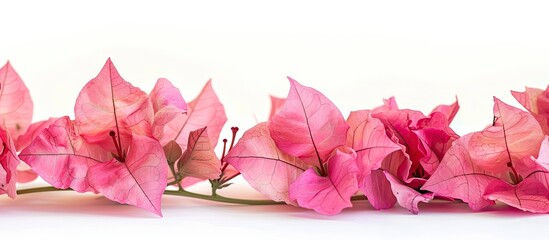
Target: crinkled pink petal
pixel 399 126
pixel 449 111
pixel 529 195
pixel 204 111
pixel 367 137
pixel 199 160
pixel 33 131
pixel 309 126
pixel 61 157
pixel 109 103
pixel 139 181
pixel 377 189
pixel 514 135
pixel 276 105
pixel 263 165
pixel 15 102
pixel 328 194
pixel 8 164
pixel 457 176
pixel 167 103
pixel 407 197
pixel 436 133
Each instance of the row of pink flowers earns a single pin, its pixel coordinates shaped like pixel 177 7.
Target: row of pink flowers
pixel 129 145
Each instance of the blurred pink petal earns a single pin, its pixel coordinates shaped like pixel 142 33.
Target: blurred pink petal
pixel 276 105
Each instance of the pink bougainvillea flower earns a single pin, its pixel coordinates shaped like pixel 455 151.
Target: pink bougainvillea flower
pixel 299 156
pixel 409 149
pixel 496 164
pixel 536 101
pixel 276 105
pixel 15 102
pixel 8 164
pixel 199 159
pixel 108 148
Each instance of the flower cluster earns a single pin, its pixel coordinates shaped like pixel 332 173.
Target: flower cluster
pixel 133 147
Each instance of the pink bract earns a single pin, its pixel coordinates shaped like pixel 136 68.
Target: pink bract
pixel 515 134
pixel 309 126
pixel 108 148
pixel 15 102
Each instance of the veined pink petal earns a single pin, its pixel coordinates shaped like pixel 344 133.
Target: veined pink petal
pixel 199 160
pixel 32 132
pixel 15 102
pixel 367 137
pixel 139 181
pixel 204 111
pixel 309 126
pixel 332 193
pixel 377 189
pixel 514 135
pixel 529 195
pixel 263 165
pixel 8 164
pixel 167 103
pixel 436 133
pixel 109 103
pixel 400 124
pixel 276 105
pixel 407 197
pixel 449 111
pixel 61 157
pixel 457 176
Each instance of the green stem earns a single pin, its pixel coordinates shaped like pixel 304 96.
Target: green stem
pixel 183 193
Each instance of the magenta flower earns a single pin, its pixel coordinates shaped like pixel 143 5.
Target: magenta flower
pixel 402 150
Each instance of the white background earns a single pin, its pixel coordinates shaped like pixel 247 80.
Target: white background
pixel 357 53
